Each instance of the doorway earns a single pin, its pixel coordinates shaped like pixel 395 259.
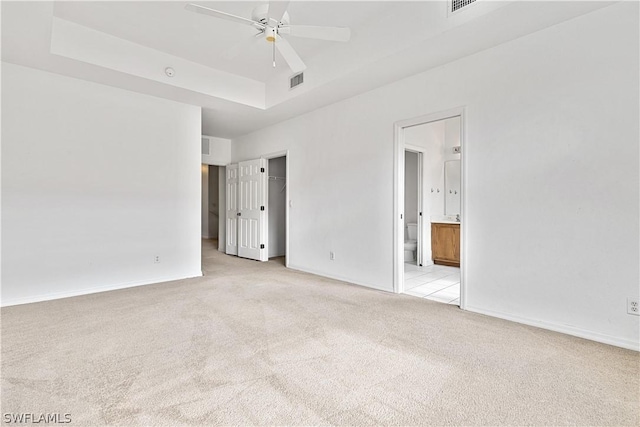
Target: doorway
pixel 210 205
pixel 214 207
pixel 277 209
pixel 413 244
pixel 429 150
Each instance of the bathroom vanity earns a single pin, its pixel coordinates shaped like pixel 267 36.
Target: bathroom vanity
pixel 445 243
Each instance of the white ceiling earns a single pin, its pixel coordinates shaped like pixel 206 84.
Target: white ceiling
pixel 168 27
pixel 390 40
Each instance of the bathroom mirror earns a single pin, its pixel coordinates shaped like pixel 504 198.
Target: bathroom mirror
pixel 452 187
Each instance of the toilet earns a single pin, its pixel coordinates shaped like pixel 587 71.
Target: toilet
pixel 411 244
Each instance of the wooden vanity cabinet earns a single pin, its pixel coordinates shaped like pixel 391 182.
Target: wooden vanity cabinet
pixel 445 244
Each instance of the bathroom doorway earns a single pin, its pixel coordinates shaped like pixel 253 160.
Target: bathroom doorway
pixel 413 247
pixel 428 203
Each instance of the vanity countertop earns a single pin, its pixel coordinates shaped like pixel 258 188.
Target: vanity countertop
pixel 444 219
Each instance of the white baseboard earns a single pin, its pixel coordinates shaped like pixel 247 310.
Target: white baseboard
pixel 97 289
pixel 565 329
pixel 342 279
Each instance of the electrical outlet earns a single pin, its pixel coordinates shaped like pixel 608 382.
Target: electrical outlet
pixel 633 307
pixel 156 259
pixel 332 255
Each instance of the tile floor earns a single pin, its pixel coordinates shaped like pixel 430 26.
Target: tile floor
pixel 435 282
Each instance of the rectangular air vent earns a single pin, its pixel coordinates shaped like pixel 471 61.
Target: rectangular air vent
pixel 459 4
pixel 205 146
pixel 296 80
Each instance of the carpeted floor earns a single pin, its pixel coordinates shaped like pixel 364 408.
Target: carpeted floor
pixel 255 344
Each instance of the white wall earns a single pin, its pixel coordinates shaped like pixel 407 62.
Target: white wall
pixel 277 207
pixel 96 181
pixel 552 175
pixel 80 43
pixel 219 151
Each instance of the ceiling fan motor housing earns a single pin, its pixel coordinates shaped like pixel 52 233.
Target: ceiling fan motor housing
pixel 270 34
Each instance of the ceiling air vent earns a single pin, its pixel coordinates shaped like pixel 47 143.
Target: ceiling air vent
pixel 296 80
pixel 205 146
pixel 459 4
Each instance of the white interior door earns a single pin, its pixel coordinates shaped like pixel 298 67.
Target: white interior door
pixel 252 218
pixel 231 223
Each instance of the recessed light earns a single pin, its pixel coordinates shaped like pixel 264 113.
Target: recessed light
pixel 170 72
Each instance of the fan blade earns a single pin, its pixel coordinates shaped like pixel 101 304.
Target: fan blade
pixel 276 11
pixel 290 55
pixel 222 15
pixel 336 34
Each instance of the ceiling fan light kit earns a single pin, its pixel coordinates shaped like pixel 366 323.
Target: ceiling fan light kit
pixel 270 34
pixel 272 20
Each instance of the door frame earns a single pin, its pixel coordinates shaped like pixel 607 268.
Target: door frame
pixel 226 208
pixel 222 170
pixel 274 155
pixel 398 196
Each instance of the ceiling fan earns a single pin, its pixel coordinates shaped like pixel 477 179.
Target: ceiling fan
pixel 272 22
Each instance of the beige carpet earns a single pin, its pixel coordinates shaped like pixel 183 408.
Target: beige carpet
pixel 256 344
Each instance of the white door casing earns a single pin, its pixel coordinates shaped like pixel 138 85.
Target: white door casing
pixel 231 223
pixel 252 209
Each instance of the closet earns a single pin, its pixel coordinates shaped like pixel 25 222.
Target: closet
pixel 247 210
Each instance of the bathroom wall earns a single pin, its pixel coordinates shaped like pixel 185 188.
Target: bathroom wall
pixel 410 190
pixel 438 139
pixel 451 139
